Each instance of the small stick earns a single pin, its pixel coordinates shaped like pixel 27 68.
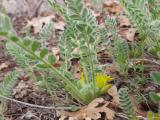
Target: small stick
pixel 124 116
pixel 148 61
pixel 36 106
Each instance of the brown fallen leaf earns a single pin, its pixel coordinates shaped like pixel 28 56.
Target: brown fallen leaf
pixel 4 65
pixel 128 33
pixel 113 7
pixel 59 25
pixel 114 93
pixel 124 21
pixel 37 23
pixel 131 34
pixel 56 52
pixel 92 111
pixel 78 72
pixel 22 89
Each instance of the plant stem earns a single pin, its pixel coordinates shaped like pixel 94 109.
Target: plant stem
pixel 159 108
pixel 142 55
pixel 134 57
pixel 85 73
pixel 91 65
pixel 66 60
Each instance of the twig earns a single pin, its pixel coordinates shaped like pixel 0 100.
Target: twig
pixel 141 117
pixel 124 116
pixel 36 106
pixel 147 61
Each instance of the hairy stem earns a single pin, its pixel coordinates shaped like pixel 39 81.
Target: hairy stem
pixel 142 55
pixel 36 106
pixel 91 65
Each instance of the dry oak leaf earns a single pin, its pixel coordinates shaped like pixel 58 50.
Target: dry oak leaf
pixel 92 111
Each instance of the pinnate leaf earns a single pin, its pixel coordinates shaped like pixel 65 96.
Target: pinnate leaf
pixel 44 52
pixel 52 59
pixel 14 38
pixel 35 46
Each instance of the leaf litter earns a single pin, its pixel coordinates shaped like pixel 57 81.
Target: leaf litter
pixel 93 111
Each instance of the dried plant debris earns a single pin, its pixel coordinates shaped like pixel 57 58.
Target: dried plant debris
pixel 22 89
pixel 4 65
pixel 113 7
pixel 114 93
pixel 38 23
pixel 93 111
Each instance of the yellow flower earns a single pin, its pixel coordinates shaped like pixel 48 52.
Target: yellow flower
pixel 102 80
